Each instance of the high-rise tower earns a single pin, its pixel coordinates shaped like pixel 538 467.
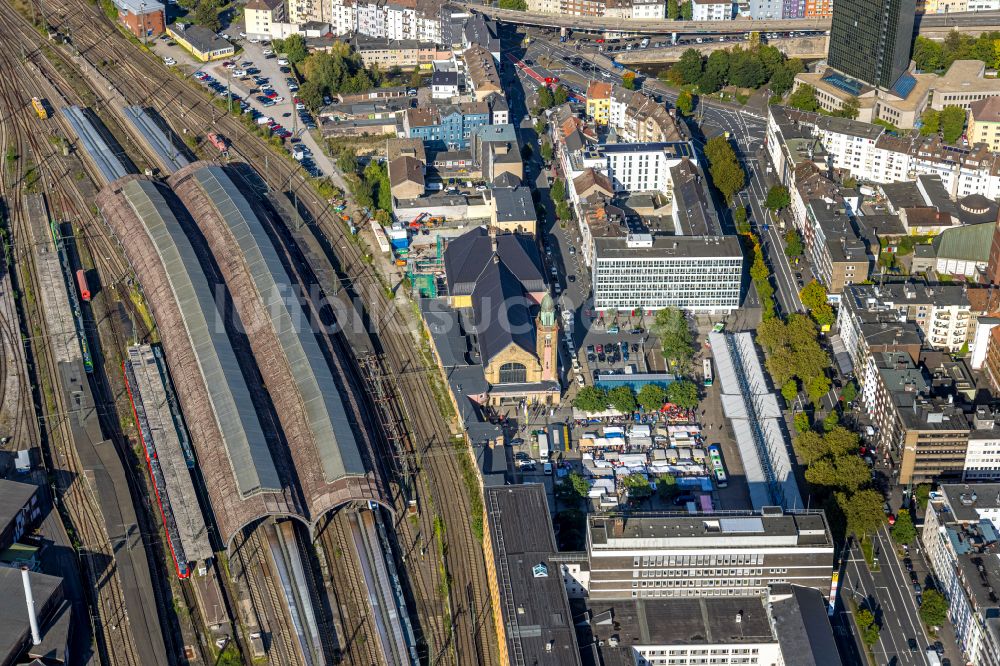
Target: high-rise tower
pixel 871 41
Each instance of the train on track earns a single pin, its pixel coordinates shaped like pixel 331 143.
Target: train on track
pixel 69 279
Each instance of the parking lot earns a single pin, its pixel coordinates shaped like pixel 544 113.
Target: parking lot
pixel 258 79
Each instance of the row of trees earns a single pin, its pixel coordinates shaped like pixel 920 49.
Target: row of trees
pixel 759 272
pixel 547 98
pixel 932 56
pixel 736 66
pixel 651 397
pixel 794 354
pixel 724 168
pixel 949 121
pixel 558 193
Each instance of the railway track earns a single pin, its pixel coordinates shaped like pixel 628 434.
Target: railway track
pixel 359 640
pixel 23 134
pixel 467 637
pixel 253 557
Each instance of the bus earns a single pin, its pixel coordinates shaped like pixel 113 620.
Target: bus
pixel 718 469
pixel 707 371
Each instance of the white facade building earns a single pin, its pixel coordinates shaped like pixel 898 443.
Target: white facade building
pixel 643 167
pixel 649 9
pixel 962 554
pixel 711 10
pixel 698 274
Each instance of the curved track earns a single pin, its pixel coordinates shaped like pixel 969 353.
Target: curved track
pixel 466 636
pixel 32 140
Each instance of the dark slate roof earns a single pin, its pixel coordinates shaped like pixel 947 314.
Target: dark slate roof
pixel 803 627
pixel 514 204
pixel 444 79
pixel 467 256
pixel 506 179
pixel 502 315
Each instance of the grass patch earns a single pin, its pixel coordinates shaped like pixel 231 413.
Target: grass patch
pixel 472 487
pixel 868 550
pixel 139 302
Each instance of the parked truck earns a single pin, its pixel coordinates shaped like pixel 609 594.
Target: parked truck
pixel 543 447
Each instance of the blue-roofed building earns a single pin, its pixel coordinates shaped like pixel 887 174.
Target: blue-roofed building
pixel 634 381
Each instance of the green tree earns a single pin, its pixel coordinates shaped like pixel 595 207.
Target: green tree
pixel 759 270
pixel 903 531
pixel 519 5
pixel 740 219
pixel 850 391
pixel 952 123
pixel 870 635
pixel 685 103
pixel 922 494
pixel 622 398
pixel 572 489
pixel 207 15
pixel 687 10
pixel 591 399
pixel 817 386
pixel 804 98
pixel 930 122
pixel 728 177
pixel 673 10
pixel 637 486
pixel 934 610
pixel 311 95
pixel 813 295
pixel 801 421
pixel 347 161
pixel 831 421
pixel 652 397
pixel 689 66
pixel 716 72
pixel 848 109
pixel 928 54
pixel 295 49
pixel 777 198
pixel 667 488
pixel 810 446
pixel 546 150
pixel 783 77
pixel 560 96
pixel 790 391
pixel 793 243
pixel 545 98
pixel 746 70
pixel 683 393
pixel 671 328
pixel 863 511
pixel 628 80
pixel 558 190
pixel 864 618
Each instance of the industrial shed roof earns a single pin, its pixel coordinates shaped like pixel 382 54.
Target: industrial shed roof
pixel 159 139
pixel 320 400
pixel 234 411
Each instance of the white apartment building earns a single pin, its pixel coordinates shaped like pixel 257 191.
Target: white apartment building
pixel 643 167
pixel 960 541
pixel 982 457
pixel 694 273
pixel 711 10
pixel 649 9
pixel 871 155
pixel 261 15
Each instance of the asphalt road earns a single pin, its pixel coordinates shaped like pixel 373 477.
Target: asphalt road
pixel 889 594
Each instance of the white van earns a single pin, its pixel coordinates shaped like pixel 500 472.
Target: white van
pixel 547 468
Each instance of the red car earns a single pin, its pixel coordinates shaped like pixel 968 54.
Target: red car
pixel 600 349
pixel 892 519
pixel 270 94
pixel 600 41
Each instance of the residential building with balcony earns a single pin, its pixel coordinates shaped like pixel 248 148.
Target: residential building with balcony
pixel 961 544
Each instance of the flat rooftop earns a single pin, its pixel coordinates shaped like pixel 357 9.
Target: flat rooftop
pixel 681 621
pixel 705 530
pixel 13 496
pixel 670 247
pixel 529 581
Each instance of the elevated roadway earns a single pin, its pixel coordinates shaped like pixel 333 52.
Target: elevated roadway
pixel 929 25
